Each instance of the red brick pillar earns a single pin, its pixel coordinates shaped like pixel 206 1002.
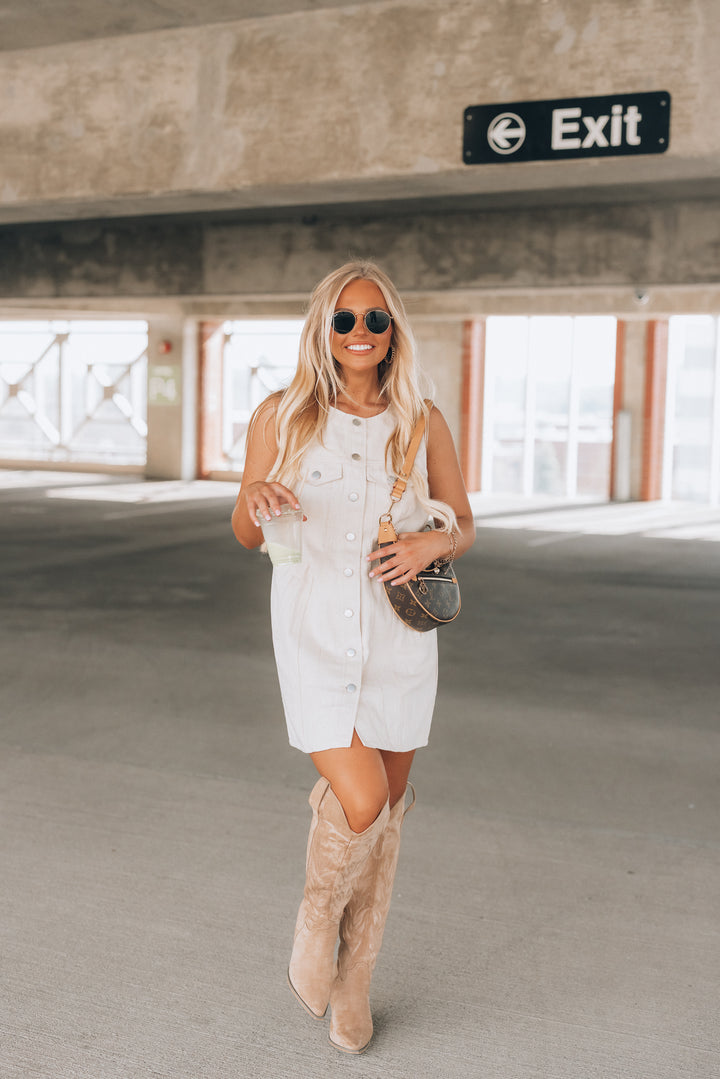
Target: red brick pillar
pixel 656 364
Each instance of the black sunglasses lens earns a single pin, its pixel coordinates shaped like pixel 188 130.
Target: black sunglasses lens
pixel 343 321
pixel 377 320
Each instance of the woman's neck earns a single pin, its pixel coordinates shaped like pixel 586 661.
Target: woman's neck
pixel 361 396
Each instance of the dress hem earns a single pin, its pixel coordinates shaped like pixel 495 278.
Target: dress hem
pixel 346 745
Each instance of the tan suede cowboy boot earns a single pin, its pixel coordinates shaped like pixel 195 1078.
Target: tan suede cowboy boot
pixel 336 857
pixel 361 933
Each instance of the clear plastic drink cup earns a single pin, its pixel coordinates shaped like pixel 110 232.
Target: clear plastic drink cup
pixel 282 534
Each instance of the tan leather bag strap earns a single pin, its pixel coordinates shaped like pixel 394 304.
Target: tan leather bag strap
pixel 386 532
pixel 407 466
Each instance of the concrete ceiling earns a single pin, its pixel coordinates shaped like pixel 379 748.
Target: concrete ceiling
pixel 38 23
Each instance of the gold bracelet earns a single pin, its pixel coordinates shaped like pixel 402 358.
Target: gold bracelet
pixel 453 548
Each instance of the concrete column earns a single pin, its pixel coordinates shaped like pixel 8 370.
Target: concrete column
pixel 440 352
pixel 473 399
pixel 172 398
pixel 211 345
pixel 640 376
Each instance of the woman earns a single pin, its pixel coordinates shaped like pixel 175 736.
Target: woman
pixel 358 686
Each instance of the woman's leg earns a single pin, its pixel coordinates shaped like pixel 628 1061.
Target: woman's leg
pixel 363 922
pixel 358 778
pixel 350 813
pixel 363 779
pixel 397 770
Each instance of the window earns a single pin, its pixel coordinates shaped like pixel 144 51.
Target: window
pixel 547 427
pixel 692 424
pixel 74 391
pixel 258 358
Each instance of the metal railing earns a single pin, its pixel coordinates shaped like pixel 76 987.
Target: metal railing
pixel 73 392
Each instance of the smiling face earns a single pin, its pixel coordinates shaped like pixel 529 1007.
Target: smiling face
pixel 359 350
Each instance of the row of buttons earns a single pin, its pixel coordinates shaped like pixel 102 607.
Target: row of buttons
pixel 350 536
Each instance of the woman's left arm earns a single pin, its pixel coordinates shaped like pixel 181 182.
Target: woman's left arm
pixel 416 550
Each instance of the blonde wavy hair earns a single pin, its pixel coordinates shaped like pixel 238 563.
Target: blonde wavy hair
pixel 301 410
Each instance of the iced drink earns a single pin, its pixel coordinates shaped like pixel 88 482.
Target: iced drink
pixel 282 535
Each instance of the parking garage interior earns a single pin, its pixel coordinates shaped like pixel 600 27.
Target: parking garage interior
pixel 174 181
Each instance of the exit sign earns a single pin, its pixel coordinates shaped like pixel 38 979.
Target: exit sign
pixel 576 127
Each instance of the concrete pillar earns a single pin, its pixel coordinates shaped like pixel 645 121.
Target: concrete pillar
pixel 440 352
pixel 473 402
pixel 211 344
pixel 172 398
pixel 640 378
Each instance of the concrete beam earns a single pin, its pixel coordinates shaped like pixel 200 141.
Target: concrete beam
pixel 362 102
pixel 620 251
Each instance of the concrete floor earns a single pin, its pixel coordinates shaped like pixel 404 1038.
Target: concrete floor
pixel 556 911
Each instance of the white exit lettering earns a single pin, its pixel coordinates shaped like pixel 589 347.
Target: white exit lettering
pixel 566 128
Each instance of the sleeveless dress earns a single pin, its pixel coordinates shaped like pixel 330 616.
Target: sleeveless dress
pixel 345 661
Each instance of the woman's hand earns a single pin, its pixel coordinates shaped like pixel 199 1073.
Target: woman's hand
pixel 412 552
pixel 266 499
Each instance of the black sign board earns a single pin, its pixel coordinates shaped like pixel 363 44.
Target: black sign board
pixel 567 128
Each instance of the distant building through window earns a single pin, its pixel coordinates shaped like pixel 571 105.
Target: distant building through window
pixel 548 405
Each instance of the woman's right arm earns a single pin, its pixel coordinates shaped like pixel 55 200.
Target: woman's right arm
pixel 255 491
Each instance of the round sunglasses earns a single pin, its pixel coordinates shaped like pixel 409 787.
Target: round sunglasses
pixel 376 321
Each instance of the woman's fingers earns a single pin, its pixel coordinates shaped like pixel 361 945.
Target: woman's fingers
pixel 396 569
pixel 266 499
pixel 407 557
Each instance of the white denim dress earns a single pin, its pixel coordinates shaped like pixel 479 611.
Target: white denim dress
pixel 345 660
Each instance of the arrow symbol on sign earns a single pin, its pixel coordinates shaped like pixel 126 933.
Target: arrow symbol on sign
pixel 504 132
pixel 503 137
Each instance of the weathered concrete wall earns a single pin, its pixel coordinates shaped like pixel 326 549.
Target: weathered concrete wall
pixel 172 431
pixel 350 103
pixel 439 344
pixel 451 260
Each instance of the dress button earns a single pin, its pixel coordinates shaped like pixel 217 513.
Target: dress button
pixel 356 457
pixel 350 653
pixel 349 535
pixel 351 687
pixel 315 475
pixel 353 496
pixel 356 422
pixel 348 613
pixel 348 572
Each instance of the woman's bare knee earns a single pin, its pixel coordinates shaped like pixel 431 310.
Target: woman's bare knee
pixel 362 809
pixel 358 779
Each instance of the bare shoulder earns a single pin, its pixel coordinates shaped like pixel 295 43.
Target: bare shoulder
pixel 267 409
pixel 262 423
pixel 439 436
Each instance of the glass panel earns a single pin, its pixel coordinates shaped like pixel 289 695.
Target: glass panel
pixel 693 339
pixel 594 373
pixel 507 353
pixel 562 370
pixel 551 357
pixel 260 357
pixel 74 391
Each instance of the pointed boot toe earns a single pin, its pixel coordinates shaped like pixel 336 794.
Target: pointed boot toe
pixel 351 1025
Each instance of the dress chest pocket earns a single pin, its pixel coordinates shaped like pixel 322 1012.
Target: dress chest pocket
pixel 320 472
